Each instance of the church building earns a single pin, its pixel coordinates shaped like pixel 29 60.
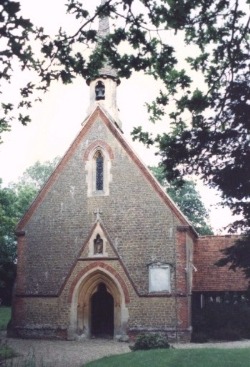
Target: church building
pixel 103 251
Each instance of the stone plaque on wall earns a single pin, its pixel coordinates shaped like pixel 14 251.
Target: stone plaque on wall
pixel 159 278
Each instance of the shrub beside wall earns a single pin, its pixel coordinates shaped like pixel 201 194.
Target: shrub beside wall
pixel 150 341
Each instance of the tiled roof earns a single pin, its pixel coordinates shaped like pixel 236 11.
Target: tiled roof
pixel 210 277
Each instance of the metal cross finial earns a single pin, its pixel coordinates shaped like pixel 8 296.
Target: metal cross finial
pixel 98 212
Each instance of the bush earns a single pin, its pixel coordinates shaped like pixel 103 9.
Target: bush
pixel 150 341
pixel 5 353
pixel 5 315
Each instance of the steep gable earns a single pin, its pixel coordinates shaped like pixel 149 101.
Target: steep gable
pixel 111 124
pixel 139 217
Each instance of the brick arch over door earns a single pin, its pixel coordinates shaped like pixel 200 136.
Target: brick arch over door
pixel 84 286
pixel 101 265
pixel 95 145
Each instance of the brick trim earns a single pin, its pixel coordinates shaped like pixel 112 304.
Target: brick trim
pixel 94 258
pixel 183 228
pixel 23 295
pixel 95 144
pixel 53 178
pixel 78 258
pixel 96 265
pixel 145 171
pixel 20 233
pixel 181 262
pixel 164 295
pixel 99 112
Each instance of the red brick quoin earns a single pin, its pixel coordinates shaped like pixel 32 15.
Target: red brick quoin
pixel 181 281
pixel 99 264
pixel 98 143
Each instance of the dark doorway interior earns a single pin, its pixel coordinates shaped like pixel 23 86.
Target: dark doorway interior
pixel 102 313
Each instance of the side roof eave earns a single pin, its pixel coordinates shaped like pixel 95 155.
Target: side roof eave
pixel 99 111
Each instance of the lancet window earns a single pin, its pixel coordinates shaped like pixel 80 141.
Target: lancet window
pixel 98 157
pixel 99 170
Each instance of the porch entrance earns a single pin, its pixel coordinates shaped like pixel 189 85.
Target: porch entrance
pixel 102 313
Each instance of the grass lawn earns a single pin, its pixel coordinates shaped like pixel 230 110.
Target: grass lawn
pixel 5 351
pixel 178 358
pixel 5 313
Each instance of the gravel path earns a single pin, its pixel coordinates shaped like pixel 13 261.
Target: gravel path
pixel 76 353
pixel 63 353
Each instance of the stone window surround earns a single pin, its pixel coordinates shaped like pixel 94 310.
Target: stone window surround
pixel 99 171
pixel 90 167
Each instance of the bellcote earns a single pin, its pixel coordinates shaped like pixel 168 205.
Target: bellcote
pixel 103 87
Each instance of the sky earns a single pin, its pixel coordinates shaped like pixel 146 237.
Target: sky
pixel 57 119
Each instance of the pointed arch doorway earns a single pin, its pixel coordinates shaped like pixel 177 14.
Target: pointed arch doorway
pixel 98 304
pixel 102 313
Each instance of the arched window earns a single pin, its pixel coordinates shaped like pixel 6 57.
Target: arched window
pixel 98 158
pixel 99 170
pixel 99 91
